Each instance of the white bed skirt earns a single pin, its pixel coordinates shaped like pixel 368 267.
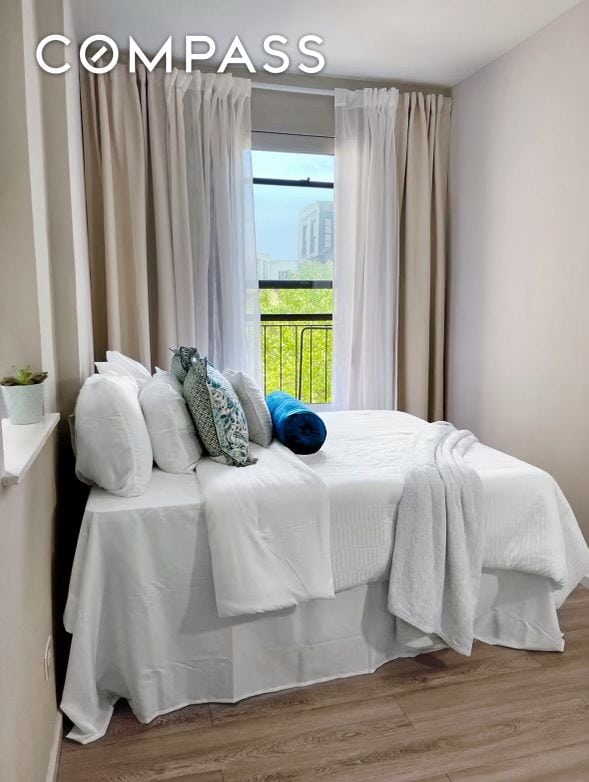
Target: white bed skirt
pixel 162 659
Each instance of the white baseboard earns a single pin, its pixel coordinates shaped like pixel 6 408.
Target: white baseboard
pixel 53 766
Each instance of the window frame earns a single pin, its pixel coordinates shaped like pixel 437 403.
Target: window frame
pixel 297 144
pixel 308 182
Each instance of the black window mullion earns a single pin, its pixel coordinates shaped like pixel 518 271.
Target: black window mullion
pixel 295 317
pixel 294 284
pixel 293 183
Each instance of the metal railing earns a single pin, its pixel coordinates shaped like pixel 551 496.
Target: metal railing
pixel 297 355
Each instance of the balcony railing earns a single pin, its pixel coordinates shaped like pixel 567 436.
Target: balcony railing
pixel 297 355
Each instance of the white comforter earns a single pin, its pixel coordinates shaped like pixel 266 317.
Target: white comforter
pixel 527 524
pixel 270 524
pixel 268 527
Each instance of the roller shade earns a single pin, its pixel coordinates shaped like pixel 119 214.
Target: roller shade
pixel 292 113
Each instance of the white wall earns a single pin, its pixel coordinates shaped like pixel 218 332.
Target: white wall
pixel 518 343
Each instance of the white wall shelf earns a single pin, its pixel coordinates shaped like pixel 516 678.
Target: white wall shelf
pixel 22 445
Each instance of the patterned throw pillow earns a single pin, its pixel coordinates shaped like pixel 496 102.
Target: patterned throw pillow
pixel 217 413
pixel 181 361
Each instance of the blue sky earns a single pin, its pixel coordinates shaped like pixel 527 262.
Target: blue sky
pixel 278 208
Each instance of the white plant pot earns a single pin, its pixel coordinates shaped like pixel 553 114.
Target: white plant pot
pixel 25 404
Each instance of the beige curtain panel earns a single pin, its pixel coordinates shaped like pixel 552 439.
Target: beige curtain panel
pixel 116 202
pixel 422 149
pixel 170 215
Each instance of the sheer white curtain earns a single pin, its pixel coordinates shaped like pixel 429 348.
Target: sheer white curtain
pixel 180 215
pixel 210 129
pixel 366 249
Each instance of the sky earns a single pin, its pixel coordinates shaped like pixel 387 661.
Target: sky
pixel 277 208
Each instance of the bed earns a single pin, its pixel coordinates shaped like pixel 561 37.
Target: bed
pixel 144 619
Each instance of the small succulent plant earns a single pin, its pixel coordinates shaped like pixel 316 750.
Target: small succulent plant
pixel 24 377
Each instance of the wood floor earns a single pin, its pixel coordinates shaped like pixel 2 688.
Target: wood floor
pixel 499 716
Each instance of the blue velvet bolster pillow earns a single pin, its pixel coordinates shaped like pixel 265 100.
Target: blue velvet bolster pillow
pixel 297 427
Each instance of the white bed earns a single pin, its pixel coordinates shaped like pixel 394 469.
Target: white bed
pixel 142 609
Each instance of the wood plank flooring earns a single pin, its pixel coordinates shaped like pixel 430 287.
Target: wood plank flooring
pixel 501 715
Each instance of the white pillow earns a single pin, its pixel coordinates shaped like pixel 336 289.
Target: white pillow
pixel 113 449
pixel 114 370
pixel 259 421
pixel 134 368
pixel 176 447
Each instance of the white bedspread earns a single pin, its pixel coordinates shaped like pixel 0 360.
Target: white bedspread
pixel 141 605
pixel 528 526
pixel 268 529
pixel 269 524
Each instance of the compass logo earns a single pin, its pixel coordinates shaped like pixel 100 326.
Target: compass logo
pixel 99 54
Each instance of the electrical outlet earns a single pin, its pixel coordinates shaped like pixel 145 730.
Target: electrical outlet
pixel 48 658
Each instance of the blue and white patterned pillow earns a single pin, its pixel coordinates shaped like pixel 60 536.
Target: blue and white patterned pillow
pixel 181 361
pixel 217 413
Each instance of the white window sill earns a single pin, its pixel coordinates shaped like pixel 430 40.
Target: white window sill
pixel 22 445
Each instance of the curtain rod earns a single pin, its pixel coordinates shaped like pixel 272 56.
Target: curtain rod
pixel 262 85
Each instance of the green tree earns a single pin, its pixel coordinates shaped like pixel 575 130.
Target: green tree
pixel 297 356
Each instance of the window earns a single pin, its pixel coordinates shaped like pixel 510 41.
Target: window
pixel 327 236
pixel 293 200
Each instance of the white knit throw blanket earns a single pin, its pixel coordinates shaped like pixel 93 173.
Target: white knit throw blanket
pixel 437 553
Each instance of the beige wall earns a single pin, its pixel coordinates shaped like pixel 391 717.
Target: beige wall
pixel 40 206
pixel 66 215
pixel 43 321
pixel 28 710
pixel 19 315
pixel 518 345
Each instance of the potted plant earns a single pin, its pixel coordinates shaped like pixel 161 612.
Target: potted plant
pixel 23 394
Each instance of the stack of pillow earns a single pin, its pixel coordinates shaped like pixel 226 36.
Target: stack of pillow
pixel 126 419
